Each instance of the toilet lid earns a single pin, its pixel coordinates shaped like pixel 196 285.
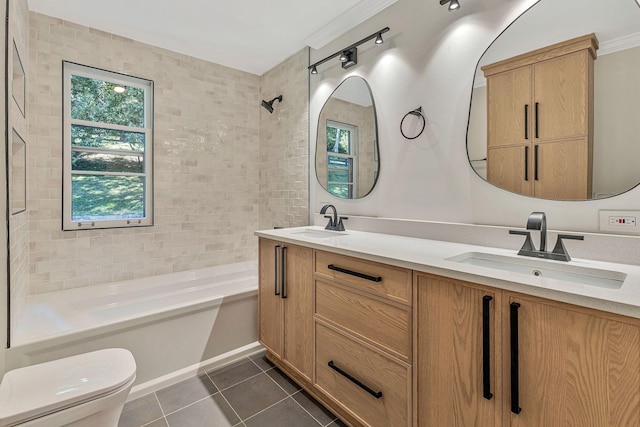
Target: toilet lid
pixel 37 390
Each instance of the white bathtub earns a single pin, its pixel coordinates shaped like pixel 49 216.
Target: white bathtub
pixel 175 324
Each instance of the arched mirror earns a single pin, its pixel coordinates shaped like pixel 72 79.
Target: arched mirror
pixel 347 162
pixel 555 110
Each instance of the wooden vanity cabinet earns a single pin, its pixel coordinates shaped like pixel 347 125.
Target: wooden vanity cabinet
pixel 540 121
pixel 285 304
pixel 457 358
pixel 363 339
pixel 575 366
pixel 572 366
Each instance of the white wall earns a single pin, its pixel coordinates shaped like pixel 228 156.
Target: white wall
pixel 428 59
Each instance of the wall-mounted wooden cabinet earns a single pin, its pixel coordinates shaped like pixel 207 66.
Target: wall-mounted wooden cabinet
pixel 540 121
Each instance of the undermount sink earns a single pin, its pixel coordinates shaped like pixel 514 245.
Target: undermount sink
pixel 318 234
pixel 552 270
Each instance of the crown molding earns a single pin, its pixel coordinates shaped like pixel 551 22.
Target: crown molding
pixel 347 21
pixel 621 43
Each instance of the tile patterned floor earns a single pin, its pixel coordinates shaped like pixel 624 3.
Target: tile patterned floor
pixel 248 393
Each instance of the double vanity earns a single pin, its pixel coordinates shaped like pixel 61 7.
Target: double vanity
pixel 397 331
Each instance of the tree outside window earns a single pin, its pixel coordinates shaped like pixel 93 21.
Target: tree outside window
pixel 342 141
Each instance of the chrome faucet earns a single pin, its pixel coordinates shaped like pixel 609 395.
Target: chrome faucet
pixel 538 221
pixel 334 224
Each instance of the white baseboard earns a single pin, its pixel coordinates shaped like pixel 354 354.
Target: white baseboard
pixel 171 378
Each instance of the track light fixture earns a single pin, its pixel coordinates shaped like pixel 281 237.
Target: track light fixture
pixel 349 55
pixel 453 4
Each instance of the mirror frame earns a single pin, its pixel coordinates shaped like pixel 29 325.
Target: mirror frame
pixel 376 151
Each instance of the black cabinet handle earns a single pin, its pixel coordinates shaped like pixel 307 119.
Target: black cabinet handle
pixel 355 273
pixel 536 122
pixel 283 273
pixel 486 347
pixel 535 160
pixel 376 394
pixel 515 373
pixel 276 291
pixel 526 121
pixel 526 163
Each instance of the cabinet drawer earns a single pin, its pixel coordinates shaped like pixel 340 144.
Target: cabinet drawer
pixel 384 280
pixel 372 369
pixel 383 322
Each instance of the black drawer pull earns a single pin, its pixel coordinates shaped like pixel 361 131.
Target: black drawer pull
pixel 486 347
pixel 283 272
pixel 355 273
pixel 275 269
pixel 376 394
pixel 515 372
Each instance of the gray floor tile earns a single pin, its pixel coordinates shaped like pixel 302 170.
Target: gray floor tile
pixel 317 411
pixel 253 395
pixel 157 423
pixel 213 411
pixel 233 374
pixel 285 413
pixel 283 381
pixel 140 411
pixel 185 392
pixel 262 362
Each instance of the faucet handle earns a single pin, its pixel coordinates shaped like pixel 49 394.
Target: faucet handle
pixel 340 225
pixel 560 249
pixel 528 243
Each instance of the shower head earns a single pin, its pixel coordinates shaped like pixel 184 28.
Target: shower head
pixel 269 105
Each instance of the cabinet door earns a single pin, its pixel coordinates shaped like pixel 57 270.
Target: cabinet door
pixel 453 364
pixel 508 102
pixel 269 298
pixel 561 90
pixel 575 367
pixel 563 171
pixel 510 168
pixel 297 294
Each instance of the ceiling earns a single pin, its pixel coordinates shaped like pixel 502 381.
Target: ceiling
pixel 249 35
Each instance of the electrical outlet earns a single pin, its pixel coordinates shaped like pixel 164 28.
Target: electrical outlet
pixel 619 221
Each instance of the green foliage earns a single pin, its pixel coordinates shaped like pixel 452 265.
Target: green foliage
pixel 95 101
pixel 107 197
pixel 343 143
pixel 101 197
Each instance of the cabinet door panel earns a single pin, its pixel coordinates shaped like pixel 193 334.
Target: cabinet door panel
pixel 563 170
pixel 575 368
pixel 561 89
pixel 298 309
pixel 270 304
pixel 507 95
pixel 507 168
pixel 449 354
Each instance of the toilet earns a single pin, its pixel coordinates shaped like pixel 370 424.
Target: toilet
pixel 86 390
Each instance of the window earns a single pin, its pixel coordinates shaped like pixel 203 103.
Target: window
pixel 342 148
pixel 108 146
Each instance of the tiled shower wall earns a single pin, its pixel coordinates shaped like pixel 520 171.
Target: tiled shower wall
pixel 17 121
pixel 207 160
pixel 284 146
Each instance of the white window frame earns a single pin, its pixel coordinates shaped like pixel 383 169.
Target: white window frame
pixel 69 69
pixel 353 155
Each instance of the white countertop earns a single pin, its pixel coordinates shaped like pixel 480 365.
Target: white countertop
pixel 430 256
